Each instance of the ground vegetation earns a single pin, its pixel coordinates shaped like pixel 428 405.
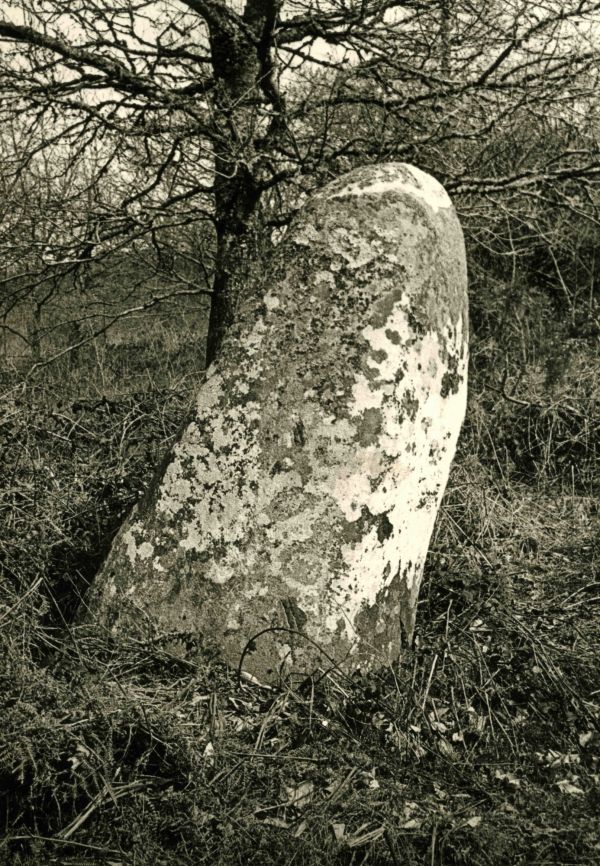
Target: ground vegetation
pixel 481 745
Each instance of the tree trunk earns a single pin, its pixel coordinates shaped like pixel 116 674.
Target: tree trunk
pixel 237 239
pixel 35 333
pixel 242 70
pixel 445 38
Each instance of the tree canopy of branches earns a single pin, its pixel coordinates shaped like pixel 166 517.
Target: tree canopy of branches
pixel 153 121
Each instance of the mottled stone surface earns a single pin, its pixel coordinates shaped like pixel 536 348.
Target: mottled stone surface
pixel 303 494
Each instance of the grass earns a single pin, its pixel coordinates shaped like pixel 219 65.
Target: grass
pixel 480 747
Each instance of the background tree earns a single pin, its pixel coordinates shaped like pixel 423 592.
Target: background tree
pixel 71 270
pixel 202 111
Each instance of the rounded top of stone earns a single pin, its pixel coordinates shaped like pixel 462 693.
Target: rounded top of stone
pixel 390 177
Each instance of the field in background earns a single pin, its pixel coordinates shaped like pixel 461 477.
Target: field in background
pixel 480 747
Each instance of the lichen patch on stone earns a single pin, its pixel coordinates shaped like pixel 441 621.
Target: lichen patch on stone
pixel 410 182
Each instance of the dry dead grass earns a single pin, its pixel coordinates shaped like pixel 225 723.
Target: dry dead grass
pixel 480 747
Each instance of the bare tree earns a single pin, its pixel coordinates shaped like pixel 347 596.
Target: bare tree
pixel 231 112
pixel 72 267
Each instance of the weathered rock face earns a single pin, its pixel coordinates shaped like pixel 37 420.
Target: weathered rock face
pixel 303 495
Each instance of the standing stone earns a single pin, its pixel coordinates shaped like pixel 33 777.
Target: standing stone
pixel 299 503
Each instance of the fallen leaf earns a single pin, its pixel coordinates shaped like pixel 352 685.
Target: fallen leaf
pixel 475 821
pixel 299 795
pixel 584 739
pixel 411 824
pixel 276 822
pixel 209 753
pixel 568 787
pixel 338 831
pixel 553 758
pixel 252 679
pixel 445 748
pixel 510 779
